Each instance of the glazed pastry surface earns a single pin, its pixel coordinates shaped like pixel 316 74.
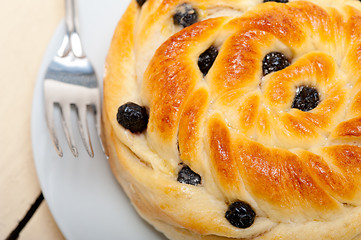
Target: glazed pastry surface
pixel 260 101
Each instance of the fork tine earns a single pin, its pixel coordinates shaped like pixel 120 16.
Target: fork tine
pixel 66 121
pixel 97 111
pixel 49 115
pixel 97 106
pixel 83 128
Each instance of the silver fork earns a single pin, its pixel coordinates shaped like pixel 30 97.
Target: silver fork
pixel 70 82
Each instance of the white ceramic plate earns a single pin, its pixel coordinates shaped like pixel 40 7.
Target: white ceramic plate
pixel 82 194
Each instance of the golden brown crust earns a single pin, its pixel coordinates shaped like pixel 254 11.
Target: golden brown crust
pixel 299 171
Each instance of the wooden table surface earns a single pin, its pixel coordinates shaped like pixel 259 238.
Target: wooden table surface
pixel 26 29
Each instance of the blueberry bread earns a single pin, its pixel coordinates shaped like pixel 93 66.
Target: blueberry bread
pixel 238 119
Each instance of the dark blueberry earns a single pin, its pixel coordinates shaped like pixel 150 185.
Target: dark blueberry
pixel 240 214
pixel 187 176
pixel 206 59
pixel 306 98
pixel 133 117
pixel 185 15
pixel 280 1
pixel 141 2
pixel 274 61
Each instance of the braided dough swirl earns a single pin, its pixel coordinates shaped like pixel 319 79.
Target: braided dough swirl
pixel 300 171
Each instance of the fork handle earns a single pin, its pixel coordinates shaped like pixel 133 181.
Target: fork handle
pixel 71 16
pixel 71 24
